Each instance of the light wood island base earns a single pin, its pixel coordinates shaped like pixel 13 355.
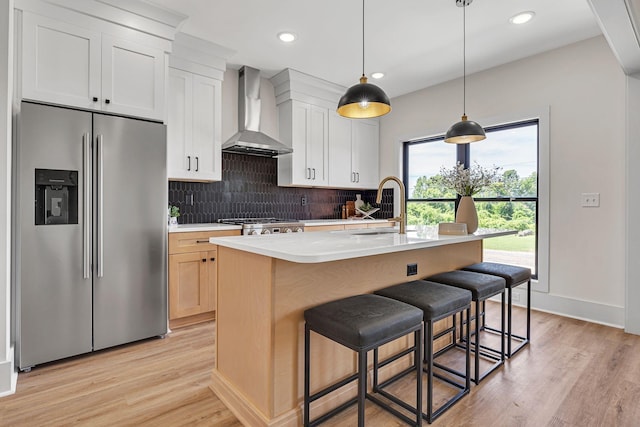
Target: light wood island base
pixel 259 371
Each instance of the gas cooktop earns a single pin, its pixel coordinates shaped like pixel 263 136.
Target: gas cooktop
pixel 255 226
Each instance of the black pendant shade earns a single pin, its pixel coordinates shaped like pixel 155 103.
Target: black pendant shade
pixel 464 132
pixel 364 100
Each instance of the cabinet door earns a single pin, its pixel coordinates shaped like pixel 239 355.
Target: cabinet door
pixel 61 62
pixel 300 168
pixel 188 284
pixel 365 153
pixel 132 78
pixel 341 173
pixel 318 145
pixel 179 125
pixel 206 133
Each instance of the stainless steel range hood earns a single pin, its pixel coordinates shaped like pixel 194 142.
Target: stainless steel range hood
pixel 249 139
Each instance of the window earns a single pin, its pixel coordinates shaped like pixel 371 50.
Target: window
pixel 512 204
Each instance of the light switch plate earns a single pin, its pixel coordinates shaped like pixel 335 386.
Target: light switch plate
pixel 590 200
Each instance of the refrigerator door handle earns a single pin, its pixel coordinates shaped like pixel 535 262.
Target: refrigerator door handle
pixel 86 220
pixel 100 208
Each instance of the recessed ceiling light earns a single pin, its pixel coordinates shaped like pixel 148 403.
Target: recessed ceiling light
pixel 286 37
pixel 377 75
pixel 522 17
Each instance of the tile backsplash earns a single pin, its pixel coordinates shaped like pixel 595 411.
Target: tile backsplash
pixel 249 189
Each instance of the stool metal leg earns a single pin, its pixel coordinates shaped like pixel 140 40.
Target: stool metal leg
pixel 307 367
pixel 467 350
pixel 428 345
pixel 509 324
pixel 528 310
pixel 477 348
pixel 524 340
pixel 362 386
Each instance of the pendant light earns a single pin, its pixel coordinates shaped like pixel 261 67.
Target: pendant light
pixel 364 100
pixel 465 131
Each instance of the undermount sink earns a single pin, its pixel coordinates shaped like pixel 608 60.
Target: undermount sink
pixel 373 233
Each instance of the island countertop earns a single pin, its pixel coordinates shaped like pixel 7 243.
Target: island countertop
pixel 326 246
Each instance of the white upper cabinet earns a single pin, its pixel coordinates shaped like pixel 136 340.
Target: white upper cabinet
pixel 194 110
pixel 71 57
pixel 303 127
pixel 365 145
pixel 60 62
pixel 132 79
pixel 353 152
pixel 193 127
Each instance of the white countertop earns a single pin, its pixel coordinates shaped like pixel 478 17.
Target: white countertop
pixel 325 246
pixel 214 226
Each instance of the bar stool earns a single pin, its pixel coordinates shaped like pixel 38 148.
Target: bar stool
pixel 363 323
pixel 514 276
pixel 482 287
pixel 437 301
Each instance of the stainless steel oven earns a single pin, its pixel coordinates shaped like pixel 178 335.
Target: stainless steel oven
pixel 257 226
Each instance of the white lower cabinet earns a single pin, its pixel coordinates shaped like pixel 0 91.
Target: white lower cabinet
pixel 70 65
pixel 193 127
pixel 353 152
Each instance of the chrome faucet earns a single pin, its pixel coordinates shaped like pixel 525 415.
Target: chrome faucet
pixel 403 213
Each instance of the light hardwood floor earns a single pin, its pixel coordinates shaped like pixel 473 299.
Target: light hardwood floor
pixel 574 373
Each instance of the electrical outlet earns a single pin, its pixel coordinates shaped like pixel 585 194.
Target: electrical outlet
pixel 412 269
pixel 304 200
pixel 189 199
pixel 590 200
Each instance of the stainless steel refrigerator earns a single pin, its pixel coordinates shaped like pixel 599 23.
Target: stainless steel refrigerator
pixel 89 221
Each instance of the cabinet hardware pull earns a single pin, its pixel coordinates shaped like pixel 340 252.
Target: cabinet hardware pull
pixel 107 101
pixel 314 173
pixel 353 177
pixel 213 259
pixel 204 260
pixel 202 241
pixel 188 163
pixel 197 163
pixel 358 176
pixel 95 99
pixel 100 189
pixel 308 173
pixel 87 218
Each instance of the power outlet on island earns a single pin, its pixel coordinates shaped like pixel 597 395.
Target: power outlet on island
pixel 412 269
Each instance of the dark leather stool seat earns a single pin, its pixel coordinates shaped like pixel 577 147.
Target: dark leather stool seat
pixel 363 323
pixel 482 287
pixel 437 301
pixel 514 276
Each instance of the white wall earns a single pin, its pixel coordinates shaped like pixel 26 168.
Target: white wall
pixel 584 88
pixel 7 375
pixel 632 319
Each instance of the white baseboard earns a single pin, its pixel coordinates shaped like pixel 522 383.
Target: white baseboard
pixel 589 311
pixel 8 377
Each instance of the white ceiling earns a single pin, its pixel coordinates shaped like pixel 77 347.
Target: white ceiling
pixel 416 43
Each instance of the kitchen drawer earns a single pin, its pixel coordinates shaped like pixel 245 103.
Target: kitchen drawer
pixel 196 241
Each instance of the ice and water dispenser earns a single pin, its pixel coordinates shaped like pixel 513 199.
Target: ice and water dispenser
pixel 56 196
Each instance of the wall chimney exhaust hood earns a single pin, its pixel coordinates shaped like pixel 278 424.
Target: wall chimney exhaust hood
pixel 249 139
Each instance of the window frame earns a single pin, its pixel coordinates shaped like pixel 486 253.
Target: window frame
pixel 539 115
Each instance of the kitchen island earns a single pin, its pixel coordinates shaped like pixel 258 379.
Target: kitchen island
pixel 266 282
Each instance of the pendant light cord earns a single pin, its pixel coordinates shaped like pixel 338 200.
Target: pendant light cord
pixel 363 37
pixel 464 58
